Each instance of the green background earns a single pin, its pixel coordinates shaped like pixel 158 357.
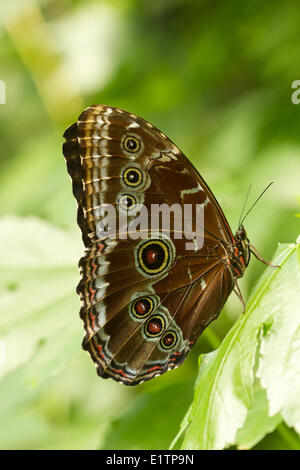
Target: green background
pixel 216 77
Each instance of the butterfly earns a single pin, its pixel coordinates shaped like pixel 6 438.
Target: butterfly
pixel 145 299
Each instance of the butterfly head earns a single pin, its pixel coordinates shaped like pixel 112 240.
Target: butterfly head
pixel 240 255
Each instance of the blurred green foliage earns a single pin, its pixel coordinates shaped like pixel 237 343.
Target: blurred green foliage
pixel 216 78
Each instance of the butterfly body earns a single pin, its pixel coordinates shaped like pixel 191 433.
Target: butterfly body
pixel 239 255
pixel 145 297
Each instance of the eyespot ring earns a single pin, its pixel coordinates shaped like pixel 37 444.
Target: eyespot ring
pixel 154 326
pixel 142 307
pixel 153 256
pixel 127 202
pixel 133 176
pixel 131 144
pixel 169 339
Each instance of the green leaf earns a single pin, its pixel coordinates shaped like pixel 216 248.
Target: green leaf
pixel 39 327
pixel 279 365
pixel 224 391
pixel 258 422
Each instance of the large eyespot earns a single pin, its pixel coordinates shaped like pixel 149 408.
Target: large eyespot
pixel 154 256
pixel 133 177
pixel 142 307
pixel 154 326
pixel 127 202
pixel 169 339
pixel 131 144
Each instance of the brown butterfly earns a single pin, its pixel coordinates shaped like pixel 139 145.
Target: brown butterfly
pixel 145 300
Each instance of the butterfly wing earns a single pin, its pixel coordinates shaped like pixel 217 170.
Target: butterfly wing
pixel 132 357
pixel 144 301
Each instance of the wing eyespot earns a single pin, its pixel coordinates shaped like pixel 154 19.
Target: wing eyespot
pixel 154 326
pixel 142 307
pixel 169 339
pixel 133 177
pixel 127 202
pixel 131 144
pixel 153 256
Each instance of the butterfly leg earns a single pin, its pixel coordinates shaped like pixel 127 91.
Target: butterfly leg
pixel 238 292
pixel 260 258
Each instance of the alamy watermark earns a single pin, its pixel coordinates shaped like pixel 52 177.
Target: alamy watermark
pixel 295 97
pixel 140 222
pixel 2 92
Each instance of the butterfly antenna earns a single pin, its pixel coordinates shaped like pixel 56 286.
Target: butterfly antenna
pixel 244 205
pixel 255 202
